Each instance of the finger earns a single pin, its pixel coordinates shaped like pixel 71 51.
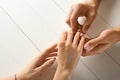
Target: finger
pixel 46 65
pixel 76 40
pixel 63 37
pixel 52 54
pixel 79 27
pixel 38 60
pixel 73 19
pixel 97 50
pixel 87 24
pixel 69 37
pixel 68 17
pixel 81 44
pixel 93 43
pixel 46 59
pixel 50 50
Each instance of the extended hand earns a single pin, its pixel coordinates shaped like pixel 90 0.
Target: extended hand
pixel 38 65
pixel 106 39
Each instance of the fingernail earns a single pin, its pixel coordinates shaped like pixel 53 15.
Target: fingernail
pixel 88 48
pixel 81 34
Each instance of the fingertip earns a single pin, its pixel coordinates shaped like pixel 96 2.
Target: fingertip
pixel 88 47
pixel 52 60
pixel 85 29
pixel 68 21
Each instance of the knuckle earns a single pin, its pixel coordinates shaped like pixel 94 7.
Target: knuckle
pixel 61 44
pixel 79 6
pixel 68 45
pixel 67 21
pixel 72 19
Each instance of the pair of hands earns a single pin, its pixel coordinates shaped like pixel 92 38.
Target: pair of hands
pixel 89 8
pixel 70 48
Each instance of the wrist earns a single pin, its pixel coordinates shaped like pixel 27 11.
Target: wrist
pixel 117 29
pixel 65 68
pixel 64 71
pixel 62 74
pixel 18 76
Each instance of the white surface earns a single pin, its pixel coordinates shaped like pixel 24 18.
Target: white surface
pixel 42 21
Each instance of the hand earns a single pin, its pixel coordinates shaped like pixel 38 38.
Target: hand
pixel 38 65
pixel 87 8
pixel 97 45
pixel 70 48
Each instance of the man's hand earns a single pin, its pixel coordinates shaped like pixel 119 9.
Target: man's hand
pixel 38 65
pixel 106 39
pixel 88 8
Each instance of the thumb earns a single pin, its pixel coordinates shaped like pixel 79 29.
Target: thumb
pixel 47 64
pixel 93 43
pixel 87 23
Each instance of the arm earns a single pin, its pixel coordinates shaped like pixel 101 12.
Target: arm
pixel 8 78
pixel 118 32
pixel 37 66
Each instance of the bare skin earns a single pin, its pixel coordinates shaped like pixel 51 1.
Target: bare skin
pixel 70 49
pixel 104 41
pixel 37 66
pixel 86 8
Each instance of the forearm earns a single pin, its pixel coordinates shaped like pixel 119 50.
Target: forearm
pixel 8 78
pixel 118 32
pixel 62 75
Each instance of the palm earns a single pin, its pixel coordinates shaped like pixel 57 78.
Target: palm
pixel 104 41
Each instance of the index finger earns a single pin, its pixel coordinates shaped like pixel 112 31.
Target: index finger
pixel 73 19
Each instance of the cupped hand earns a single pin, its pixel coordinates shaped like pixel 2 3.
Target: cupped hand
pixel 38 65
pixel 104 41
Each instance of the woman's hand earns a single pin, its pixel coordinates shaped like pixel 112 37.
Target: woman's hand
pixel 70 48
pixel 106 39
pixel 38 65
pixel 88 8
